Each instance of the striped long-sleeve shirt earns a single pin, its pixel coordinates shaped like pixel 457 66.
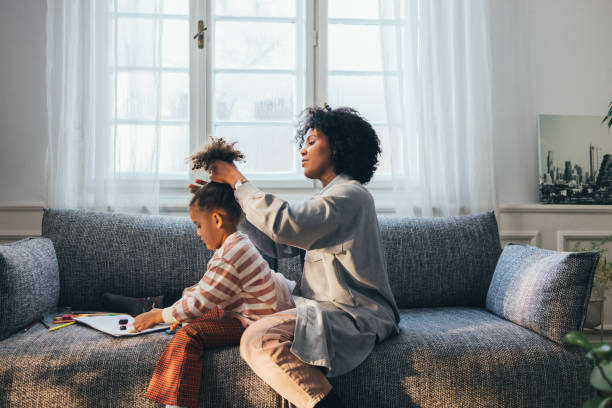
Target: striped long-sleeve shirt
pixel 237 280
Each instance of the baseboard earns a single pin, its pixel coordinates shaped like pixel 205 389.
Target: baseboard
pixel 19 220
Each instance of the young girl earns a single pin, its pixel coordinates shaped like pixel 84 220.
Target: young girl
pixel 237 289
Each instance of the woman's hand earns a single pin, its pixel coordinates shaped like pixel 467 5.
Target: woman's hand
pixel 148 319
pixel 224 172
pixel 194 187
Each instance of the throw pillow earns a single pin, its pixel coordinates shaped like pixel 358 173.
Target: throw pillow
pixel 543 290
pixel 29 283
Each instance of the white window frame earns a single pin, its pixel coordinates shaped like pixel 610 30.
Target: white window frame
pixel 174 192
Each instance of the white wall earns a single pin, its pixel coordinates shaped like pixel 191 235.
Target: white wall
pixel 549 57
pixel 23 109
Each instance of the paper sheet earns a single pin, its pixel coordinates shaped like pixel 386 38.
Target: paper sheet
pixel 110 325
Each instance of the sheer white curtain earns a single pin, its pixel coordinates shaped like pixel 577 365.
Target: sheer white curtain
pixel 442 154
pixel 90 163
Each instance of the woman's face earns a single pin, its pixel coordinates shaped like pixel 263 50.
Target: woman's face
pixel 316 155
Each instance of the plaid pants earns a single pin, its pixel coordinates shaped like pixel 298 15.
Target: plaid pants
pixel 177 375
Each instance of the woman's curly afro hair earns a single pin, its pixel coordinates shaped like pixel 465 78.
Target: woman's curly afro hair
pixel 354 144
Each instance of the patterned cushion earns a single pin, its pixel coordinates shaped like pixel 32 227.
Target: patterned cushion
pixel 542 290
pixel 29 282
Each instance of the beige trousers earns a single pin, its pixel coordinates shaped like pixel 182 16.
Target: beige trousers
pixel 265 346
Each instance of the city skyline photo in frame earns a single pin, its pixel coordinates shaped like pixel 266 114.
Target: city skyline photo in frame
pixel 575 160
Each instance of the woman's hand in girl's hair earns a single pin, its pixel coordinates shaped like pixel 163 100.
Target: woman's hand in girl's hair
pixel 194 187
pixel 224 172
pixel 148 319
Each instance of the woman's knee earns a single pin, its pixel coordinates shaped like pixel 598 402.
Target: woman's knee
pixel 250 342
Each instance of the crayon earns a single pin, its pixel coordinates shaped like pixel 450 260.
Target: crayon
pixel 172 328
pixel 42 320
pixel 63 325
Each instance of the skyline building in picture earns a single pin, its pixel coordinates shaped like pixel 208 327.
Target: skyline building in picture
pixel 570 187
pixel 595 160
pixel 575 160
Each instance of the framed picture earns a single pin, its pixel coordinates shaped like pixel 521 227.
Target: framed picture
pixel 575 160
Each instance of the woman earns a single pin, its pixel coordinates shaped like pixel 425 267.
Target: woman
pixel 344 305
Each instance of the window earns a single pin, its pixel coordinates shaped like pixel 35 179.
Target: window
pixel 149 68
pixel 258 81
pixel 361 72
pixel 263 62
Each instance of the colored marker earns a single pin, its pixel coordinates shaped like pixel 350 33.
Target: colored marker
pixel 172 328
pixel 63 325
pixel 42 320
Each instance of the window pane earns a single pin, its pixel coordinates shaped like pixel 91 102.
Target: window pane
pixel 175 7
pixel 175 43
pixel 358 48
pixel 151 96
pixel 268 8
pixel 137 6
pixel 384 160
pixel 111 41
pixel 136 95
pixel 364 93
pixel 255 45
pixel 135 149
pixel 174 149
pixel 364 9
pixel 254 97
pixel 268 149
pixel 175 96
pixel 135 41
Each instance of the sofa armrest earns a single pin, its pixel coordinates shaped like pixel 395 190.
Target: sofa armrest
pixel 29 283
pixel 545 291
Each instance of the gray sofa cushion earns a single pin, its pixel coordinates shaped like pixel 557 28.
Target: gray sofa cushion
pixel 543 290
pixel 445 261
pixel 29 283
pixel 459 356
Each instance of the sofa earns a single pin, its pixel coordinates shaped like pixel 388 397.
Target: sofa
pixel 455 347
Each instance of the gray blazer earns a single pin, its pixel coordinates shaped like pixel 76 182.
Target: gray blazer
pixel 345 304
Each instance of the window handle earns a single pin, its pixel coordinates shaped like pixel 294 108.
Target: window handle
pixel 200 34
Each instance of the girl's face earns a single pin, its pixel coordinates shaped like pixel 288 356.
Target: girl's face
pixel 316 155
pixel 209 225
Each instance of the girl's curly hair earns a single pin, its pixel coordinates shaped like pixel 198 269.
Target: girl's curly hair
pixel 218 149
pixel 354 144
pixel 213 195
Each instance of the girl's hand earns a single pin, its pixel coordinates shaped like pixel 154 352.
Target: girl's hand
pixel 148 319
pixel 194 187
pixel 224 172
